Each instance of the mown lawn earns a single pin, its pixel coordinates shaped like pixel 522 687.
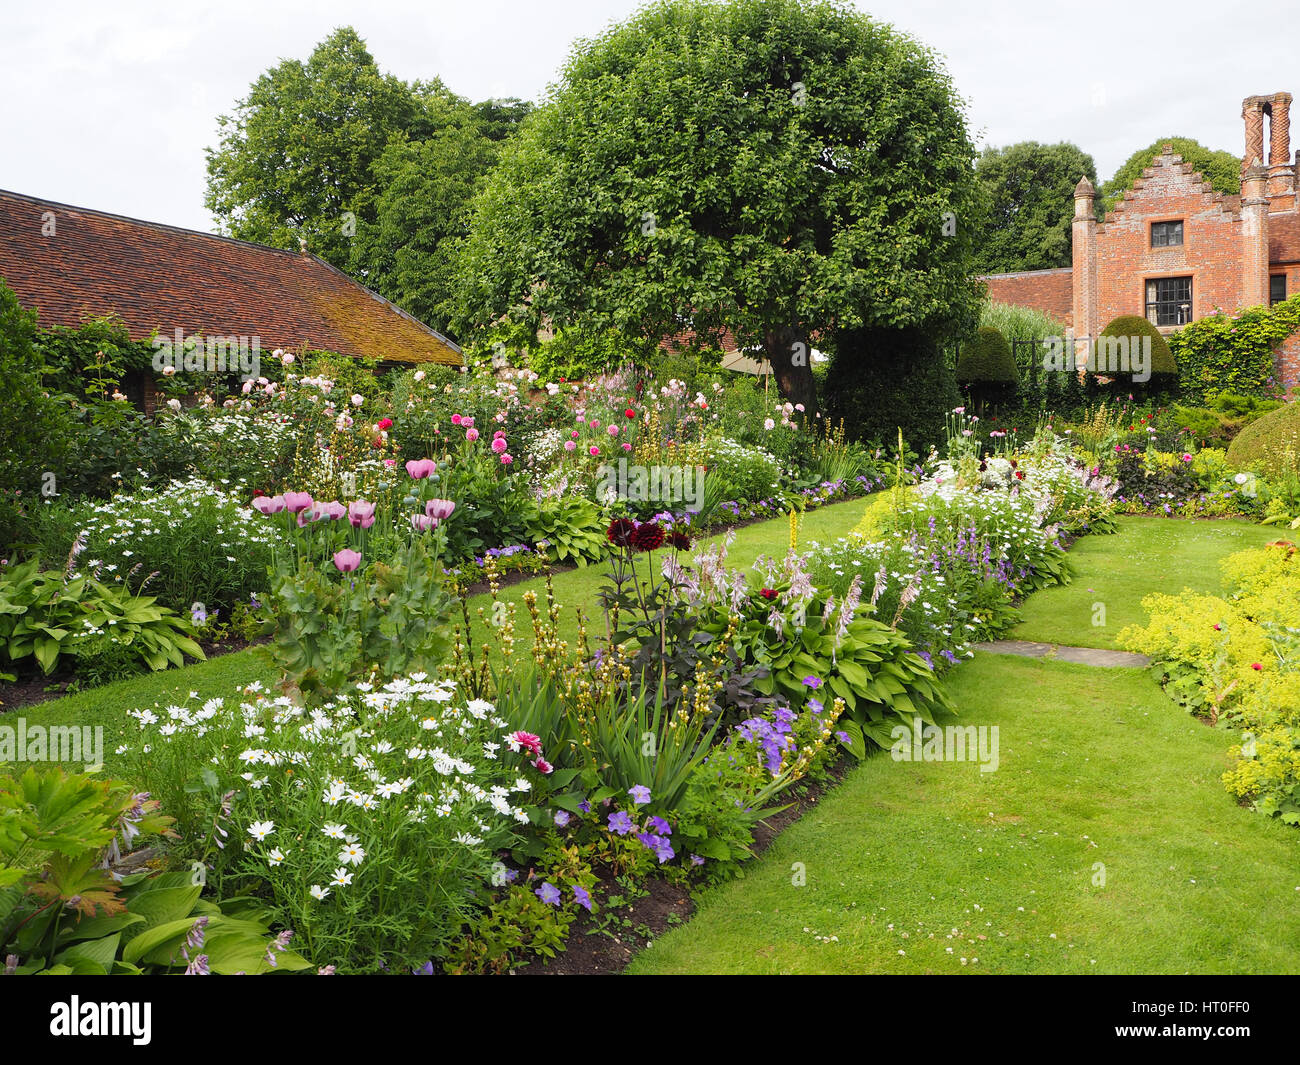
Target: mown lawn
pixel 1104 842
pixel 108 705
pixel 1146 555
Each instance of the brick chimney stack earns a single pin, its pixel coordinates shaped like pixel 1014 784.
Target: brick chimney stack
pixel 1254 235
pixel 1084 279
pixel 1281 174
pixel 1252 110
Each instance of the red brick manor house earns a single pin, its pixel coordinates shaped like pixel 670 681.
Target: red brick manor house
pixel 1174 250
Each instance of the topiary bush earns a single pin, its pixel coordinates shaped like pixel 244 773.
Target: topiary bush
pixel 1164 369
pixel 1269 444
pixel 1234 353
pixel 882 380
pixel 987 369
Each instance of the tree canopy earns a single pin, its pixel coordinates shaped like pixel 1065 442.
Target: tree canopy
pixel 778 168
pixel 375 174
pixel 1030 190
pixel 1221 169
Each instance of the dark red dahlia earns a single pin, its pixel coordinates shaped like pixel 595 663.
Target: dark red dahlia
pixel 679 540
pixel 648 536
pixel 620 532
pixel 768 593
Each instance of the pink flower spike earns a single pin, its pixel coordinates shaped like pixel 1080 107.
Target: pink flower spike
pixel 347 560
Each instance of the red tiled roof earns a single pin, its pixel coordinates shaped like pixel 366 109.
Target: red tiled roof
pixel 1284 237
pixel 160 278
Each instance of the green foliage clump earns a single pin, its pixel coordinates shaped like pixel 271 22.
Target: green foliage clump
pixel 881 381
pixel 1270 444
pixel 1217 424
pixel 45 615
pixel 1163 368
pixel 1019 323
pixel 64 912
pixel 1221 169
pixel 1030 187
pixel 986 359
pixel 986 368
pixel 1234 353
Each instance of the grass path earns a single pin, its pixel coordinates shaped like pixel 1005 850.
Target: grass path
pixel 107 706
pixel 1104 842
pixel 1147 555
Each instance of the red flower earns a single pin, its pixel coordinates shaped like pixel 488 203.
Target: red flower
pixel 385 423
pixel 1020 474
pixel 648 536
pixel 1256 665
pixel 630 412
pixel 258 492
pixel 620 532
pixel 768 593
pixel 680 540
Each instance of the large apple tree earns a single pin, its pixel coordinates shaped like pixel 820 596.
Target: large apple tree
pixel 782 169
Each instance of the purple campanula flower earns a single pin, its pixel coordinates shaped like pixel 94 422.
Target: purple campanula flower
pixel 548 893
pixel 562 818
pixel 661 826
pixel 583 897
pixel 640 794
pixel 619 822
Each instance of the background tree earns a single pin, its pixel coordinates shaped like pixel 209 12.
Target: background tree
pixel 374 173
pixel 300 149
pixel 783 169
pixel 1221 169
pixel 1030 190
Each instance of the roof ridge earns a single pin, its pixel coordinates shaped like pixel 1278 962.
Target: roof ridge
pixel 152 225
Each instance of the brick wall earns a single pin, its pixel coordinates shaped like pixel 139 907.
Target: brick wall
pixel 1049 291
pixel 1211 253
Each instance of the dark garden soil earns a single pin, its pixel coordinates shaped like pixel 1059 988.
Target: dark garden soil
pixel 603 944
pixel 28 691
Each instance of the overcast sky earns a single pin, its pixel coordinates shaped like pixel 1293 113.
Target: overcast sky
pixel 110 105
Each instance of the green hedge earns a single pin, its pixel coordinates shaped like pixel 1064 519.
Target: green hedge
pixel 1233 353
pixel 1269 443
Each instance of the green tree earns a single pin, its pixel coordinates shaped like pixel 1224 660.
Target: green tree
pixel 780 168
pixel 1030 188
pixel 1221 169
pixel 33 434
pixel 299 152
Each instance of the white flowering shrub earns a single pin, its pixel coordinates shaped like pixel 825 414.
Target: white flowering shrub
pixel 369 824
pixel 191 542
pixel 752 472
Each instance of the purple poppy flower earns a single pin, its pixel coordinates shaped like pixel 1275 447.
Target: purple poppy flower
pixel 661 826
pixel 583 897
pixel 548 893
pixel 619 822
pixel 640 794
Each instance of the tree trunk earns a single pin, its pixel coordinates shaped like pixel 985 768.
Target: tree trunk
pixel 791 360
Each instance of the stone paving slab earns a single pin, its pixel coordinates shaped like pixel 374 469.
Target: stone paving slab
pixel 1087 656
